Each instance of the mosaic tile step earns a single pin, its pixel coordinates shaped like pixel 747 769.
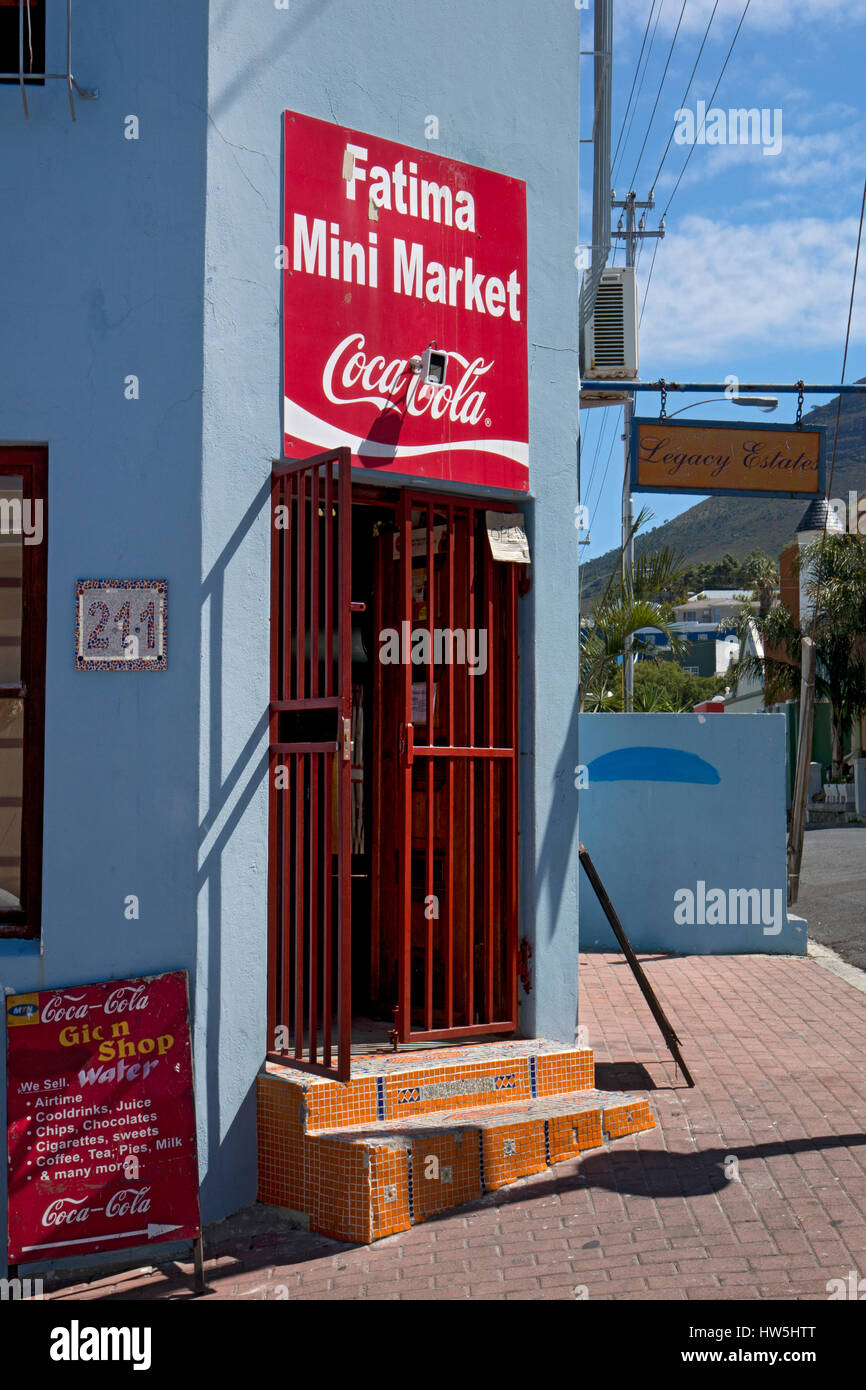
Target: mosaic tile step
pixel 362 1182
pixel 610 1106
pixel 419 1083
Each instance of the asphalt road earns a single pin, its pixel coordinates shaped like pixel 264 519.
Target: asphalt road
pixel 833 890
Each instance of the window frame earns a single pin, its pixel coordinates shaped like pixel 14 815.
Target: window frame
pixel 30 463
pixel 17 73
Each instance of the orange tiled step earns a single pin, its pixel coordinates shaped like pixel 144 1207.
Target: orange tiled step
pixel 364 1181
pixel 419 1168
pixel 397 1085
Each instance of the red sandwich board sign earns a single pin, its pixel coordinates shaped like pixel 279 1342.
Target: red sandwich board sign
pixel 101 1118
pixel 388 250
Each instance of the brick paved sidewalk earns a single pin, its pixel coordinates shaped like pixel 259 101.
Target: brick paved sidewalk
pixel 776 1046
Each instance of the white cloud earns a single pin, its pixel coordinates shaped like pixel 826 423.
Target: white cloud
pixel 719 289
pixel 828 158
pixel 807 159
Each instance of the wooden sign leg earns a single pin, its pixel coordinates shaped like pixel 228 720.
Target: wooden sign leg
pixel 198 1258
pixel 647 990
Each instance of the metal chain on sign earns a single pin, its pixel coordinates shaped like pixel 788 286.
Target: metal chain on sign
pixel 664 399
pixel 800 385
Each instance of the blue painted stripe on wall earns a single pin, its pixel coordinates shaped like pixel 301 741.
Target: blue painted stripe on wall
pixel 642 764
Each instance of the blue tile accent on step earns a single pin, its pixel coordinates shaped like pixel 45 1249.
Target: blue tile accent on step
pixel 533 1079
pixel 547 1142
pixel 380 1097
pixel 481 1160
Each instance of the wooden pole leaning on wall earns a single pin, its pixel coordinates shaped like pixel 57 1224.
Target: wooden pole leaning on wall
pixel 801 776
pixel 637 970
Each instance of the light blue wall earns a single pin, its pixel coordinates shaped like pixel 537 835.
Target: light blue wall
pixel 675 800
pixel 156 257
pixel 100 277
pixel 505 89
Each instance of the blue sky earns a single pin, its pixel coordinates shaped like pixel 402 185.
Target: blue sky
pixel 754 275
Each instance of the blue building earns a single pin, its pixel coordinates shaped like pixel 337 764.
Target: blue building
pixel 145 299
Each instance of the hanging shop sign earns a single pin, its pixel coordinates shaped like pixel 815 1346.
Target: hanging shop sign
pixel 713 457
pixel 101 1119
pixel 121 624
pixel 390 254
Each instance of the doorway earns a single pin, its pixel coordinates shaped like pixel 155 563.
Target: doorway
pixel 398 809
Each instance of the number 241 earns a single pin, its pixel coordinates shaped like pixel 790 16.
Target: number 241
pixel 96 641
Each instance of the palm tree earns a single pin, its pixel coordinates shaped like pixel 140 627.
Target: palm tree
pixel 626 606
pixel 762 572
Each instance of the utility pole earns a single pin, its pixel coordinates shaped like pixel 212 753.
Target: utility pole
pixel 631 234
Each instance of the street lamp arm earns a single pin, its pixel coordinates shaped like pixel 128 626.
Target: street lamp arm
pixel 709 401
pixel 759 402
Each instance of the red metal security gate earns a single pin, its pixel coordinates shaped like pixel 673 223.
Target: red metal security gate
pixel 309 901
pixel 458 861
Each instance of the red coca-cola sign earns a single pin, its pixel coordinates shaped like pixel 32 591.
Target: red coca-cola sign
pixel 102 1142
pixel 387 250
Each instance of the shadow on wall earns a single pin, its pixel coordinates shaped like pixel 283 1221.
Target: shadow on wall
pixel 560 829
pixel 235 1170
pixel 271 53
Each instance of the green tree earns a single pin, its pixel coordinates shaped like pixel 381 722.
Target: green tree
pixel 762 573
pixel 674 687
pixel 626 606
pixel 836 590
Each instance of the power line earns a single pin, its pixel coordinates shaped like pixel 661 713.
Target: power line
pixel 658 95
pixel 691 151
pixel 640 87
pixel 842 382
pixel 709 104
pixel 686 93
pixel 634 80
pixel 609 457
pixel 648 283
pixel 599 445
pixel 610 416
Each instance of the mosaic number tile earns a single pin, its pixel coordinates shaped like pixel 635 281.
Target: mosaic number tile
pixel 121 624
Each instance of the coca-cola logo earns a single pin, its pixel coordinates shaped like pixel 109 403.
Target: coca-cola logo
pixel 387 251
pixel 129 1201
pixel 65 1211
pixel 380 380
pixel 126 998
pixel 62 1008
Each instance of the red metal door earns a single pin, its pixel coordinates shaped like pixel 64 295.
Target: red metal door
pixel 309 889
pixel 458 859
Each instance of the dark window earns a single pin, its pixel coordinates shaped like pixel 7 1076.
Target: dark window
pixel 23 545
pixel 28 15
